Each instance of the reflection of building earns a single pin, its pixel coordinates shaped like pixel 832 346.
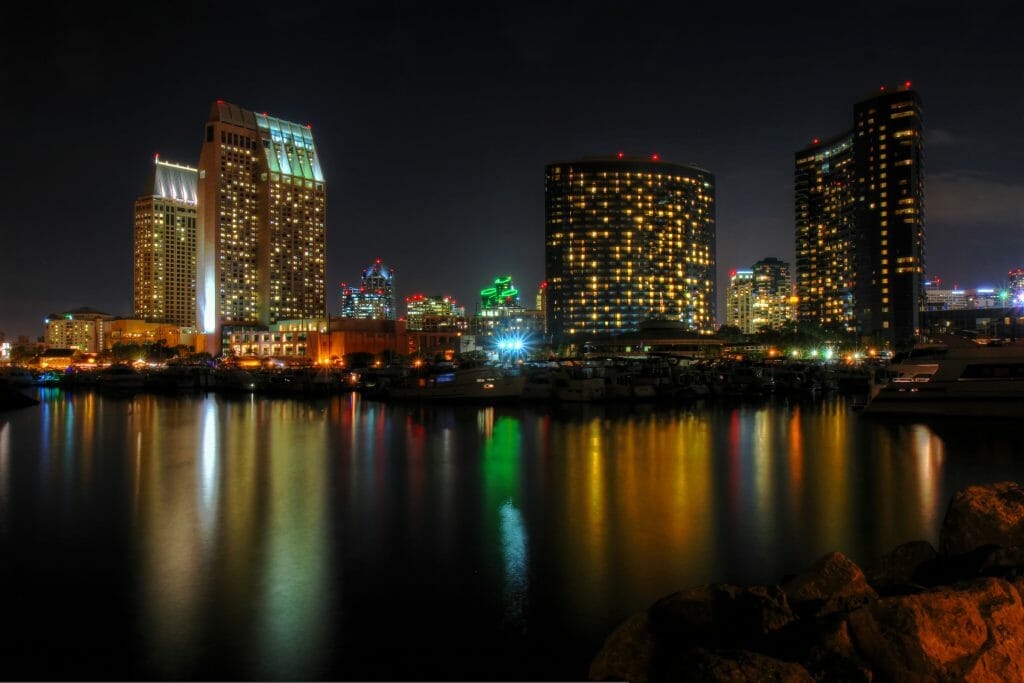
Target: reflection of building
pixel 84 329
pixel 739 301
pixel 433 314
pixel 165 246
pixel 628 239
pixel 375 297
pixel 262 221
pixel 860 220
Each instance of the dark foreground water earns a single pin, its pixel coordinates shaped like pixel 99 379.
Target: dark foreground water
pixel 210 538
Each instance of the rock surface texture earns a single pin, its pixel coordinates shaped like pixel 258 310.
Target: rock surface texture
pixel 916 615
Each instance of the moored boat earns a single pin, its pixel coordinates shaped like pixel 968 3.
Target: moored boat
pixel 974 381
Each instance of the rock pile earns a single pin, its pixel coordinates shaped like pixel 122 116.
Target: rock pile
pixel 918 614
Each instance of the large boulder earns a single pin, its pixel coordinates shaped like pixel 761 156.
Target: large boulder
pixel 720 613
pixel 970 632
pixel 833 583
pixel 627 653
pixel 899 565
pixel 981 515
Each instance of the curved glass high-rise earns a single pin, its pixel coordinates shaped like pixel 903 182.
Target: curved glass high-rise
pixel 628 239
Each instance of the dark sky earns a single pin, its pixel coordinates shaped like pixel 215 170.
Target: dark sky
pixel 434 122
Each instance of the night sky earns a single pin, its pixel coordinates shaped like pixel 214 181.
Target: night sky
pixel 434 122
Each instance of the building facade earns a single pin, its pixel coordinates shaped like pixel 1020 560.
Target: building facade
pixel 261 246
pixel 375 297
pixel 83 329
pixel 825 233
pixel 434 314
pixel 739 301
pixel 165 246
pixel 859 201
pixel 626 240
pixel 773 304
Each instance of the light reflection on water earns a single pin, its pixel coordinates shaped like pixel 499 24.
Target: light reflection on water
pixel 283 539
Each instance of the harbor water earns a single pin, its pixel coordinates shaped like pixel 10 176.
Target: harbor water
pixel 215 538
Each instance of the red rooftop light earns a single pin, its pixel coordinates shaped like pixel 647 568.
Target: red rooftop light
pixel 907 84
pixel 654 157
pixel 815 141
pixel 220 101
pixel 621 155
pixel 882 88
pixel 310 126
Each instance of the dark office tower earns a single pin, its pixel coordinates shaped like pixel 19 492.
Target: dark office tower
pixel 165 246
pixel 859 200
pixel 628 239
pixel 890 213
pixel 262 221
pixel 825 234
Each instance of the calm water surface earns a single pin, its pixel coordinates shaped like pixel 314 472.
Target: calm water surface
pixel 212 538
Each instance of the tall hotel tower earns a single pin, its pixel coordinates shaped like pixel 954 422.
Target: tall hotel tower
pixel 165 246
pixel 628 239
pixel 262 221
pixel 859 200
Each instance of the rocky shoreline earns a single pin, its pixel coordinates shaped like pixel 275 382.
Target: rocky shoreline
pixel 917 614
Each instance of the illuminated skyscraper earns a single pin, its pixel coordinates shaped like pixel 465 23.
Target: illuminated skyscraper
pixel 262 221
pixel 773 294
pixel 739 301
pixel 860 220
pixel 375 297
pixel 825 232
pixel 628 239
pixel 165 246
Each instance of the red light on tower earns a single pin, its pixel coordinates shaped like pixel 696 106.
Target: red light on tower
pixel 881 88
pixel 815 141
pixel 156 157
pixel 621 155
pixel 907 84
pixel 309 126
pixel 732 273
pixel 654 157
pixel 220 101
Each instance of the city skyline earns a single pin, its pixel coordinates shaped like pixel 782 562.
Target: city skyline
pixel 469 159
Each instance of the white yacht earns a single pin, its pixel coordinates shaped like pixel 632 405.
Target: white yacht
pixel 954 379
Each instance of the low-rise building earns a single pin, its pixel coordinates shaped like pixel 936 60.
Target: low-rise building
pixel 83 328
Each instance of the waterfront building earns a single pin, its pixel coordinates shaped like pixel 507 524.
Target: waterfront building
pixel 375 297
pixel 83 329
pixel 261 231
pixel 126 331
pixel 773 304
pixel 937 299
pixel 165 246
pixel 739 301
pixel 433 314
pixel 501 313
pixel 628 239
pixel 859 207
pixel 320 341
